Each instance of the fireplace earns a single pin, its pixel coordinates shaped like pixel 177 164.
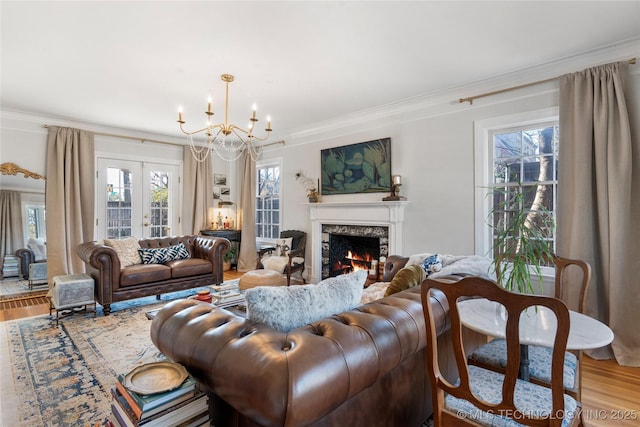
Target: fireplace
pixel 347 248
pixel 382 220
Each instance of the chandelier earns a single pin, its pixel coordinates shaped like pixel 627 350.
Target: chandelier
pixel 229 141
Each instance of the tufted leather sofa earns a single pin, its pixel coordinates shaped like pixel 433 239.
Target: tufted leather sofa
pixel 364 367
pixel 112 284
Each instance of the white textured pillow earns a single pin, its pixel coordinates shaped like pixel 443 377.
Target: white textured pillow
pixel 38 247
pixel 288 307
pixel 127 250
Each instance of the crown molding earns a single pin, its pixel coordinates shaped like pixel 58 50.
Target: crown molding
pixel 445 101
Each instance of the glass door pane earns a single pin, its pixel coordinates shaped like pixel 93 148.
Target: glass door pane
pixel 158 217
pixel 119 207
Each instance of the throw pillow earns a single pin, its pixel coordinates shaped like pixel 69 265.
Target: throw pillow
pixel 432 263
pixel 163 255
pixel 406 278
pixel 283 246
pixel 127 250
pixel 288 307
pixel 38 247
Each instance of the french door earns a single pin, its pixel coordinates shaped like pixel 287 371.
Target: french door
pixel 136 199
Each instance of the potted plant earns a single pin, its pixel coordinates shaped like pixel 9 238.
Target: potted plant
pixel 521 238
pixel 309 186
pixel 228 257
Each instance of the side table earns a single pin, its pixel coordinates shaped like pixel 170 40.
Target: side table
pixel 72 292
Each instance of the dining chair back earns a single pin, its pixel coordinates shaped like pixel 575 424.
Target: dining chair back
pixel 485 397
pixel 572 279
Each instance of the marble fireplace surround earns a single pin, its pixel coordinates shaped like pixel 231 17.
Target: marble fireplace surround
pixel 377 213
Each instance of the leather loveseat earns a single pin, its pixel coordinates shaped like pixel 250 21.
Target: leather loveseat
pixel 363 367
pixel 113 283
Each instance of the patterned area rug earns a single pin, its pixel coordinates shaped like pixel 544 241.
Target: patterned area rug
pixel 62 376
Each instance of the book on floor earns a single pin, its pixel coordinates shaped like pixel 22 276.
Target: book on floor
pixel 196 407
pixel 151 401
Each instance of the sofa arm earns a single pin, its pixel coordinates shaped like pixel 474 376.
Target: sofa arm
pixel 392 265
pixel 103 265
pixel 212 249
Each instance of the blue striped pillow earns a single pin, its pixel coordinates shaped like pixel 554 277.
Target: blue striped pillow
pixel 163 255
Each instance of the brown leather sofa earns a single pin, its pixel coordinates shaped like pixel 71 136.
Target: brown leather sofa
pixel 112 284
pixel 364 367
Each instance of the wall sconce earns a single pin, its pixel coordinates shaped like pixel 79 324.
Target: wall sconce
pixel 396 182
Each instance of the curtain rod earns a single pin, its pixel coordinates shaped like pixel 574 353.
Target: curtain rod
pixel 495 92
pixel 143 140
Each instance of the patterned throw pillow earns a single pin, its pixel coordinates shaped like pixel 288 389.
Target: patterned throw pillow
pixel 163 255
pixel 283 246
pixel 126 249
pixel 432 263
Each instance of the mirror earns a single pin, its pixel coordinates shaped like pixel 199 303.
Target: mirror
pixel 31 189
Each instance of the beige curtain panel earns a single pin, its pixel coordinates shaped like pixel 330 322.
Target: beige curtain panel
pixel 599 198
pixel 247 213
pixel 69 198
pixel 11 232
pixel 197 193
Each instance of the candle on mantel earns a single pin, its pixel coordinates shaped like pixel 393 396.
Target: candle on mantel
pixel 397 179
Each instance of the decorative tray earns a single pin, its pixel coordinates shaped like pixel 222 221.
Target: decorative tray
pixel 156 377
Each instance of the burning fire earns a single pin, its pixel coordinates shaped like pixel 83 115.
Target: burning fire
pixel 359 261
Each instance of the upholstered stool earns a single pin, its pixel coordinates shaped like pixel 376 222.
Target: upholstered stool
pixel 254 278
pixel 72 292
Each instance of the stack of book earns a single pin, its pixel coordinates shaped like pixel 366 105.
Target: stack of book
pixel 185 406
pixel 227 295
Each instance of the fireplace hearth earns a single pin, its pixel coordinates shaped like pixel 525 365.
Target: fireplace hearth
pixel 368 218
pixel 351 253
pixel 347 248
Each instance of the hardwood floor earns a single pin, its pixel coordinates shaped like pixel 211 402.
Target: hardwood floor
pixel 610 392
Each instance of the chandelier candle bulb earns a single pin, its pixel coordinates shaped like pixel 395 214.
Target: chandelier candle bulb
pixel 180 114
pixel 209 101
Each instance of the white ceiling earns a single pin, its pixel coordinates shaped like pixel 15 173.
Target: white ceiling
pixel 130 64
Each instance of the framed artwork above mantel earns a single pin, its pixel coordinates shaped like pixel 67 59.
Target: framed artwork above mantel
pixel 364 167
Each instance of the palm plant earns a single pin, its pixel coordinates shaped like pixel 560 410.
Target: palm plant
pixel 521 239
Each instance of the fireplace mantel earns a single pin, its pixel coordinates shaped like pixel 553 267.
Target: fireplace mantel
pixel 382 213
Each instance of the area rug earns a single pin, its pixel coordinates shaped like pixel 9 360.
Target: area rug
pixel 62 376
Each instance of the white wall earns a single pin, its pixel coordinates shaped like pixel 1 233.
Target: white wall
pixel 433 150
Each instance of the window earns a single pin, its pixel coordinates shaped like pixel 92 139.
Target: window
pixel 514 156
pixel 35 222
pixel 268 201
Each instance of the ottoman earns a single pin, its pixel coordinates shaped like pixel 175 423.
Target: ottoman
pixel 254 278
pixel 71 292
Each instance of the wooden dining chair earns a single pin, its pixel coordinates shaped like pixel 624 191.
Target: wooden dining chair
pixel 493 354
pixel 485 397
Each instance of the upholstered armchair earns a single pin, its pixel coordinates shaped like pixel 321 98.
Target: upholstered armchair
pixel 288 255
pixel 35 252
